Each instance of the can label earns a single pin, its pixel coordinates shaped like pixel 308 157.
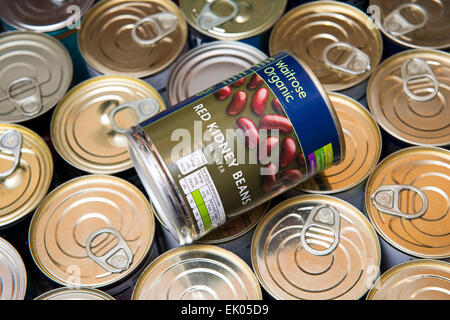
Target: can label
pixel 245 140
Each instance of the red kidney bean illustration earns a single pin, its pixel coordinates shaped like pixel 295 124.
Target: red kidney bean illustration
pixel 276 105
pixel 251 132
pixel 238 83
pixel 223 93
pixel 269 144
pixel 255 82
pixel 275 121
pixel 292 175
pixel 237 103
pixel 269 181
pixel 259 101
pixel 288 151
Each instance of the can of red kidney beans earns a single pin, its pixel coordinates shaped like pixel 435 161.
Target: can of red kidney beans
pixel 236 145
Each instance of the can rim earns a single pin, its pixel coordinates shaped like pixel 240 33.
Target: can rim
pixel 22 273
pixel 64 290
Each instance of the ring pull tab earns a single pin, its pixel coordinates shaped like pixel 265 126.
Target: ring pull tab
pixel 164 23
pixel 357 62
pixel 11 142
pixel 117 259
pixel 29 105
pixel 396 24
pixel 207 19
pixel 417 71
pixel 322 220
pixel 145 108
pixel 386 200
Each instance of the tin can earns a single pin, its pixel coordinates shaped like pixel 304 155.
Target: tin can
pixel 340 43
pixel 224 156
pixel 133 38
pixel 360 4
pixel 36 71
pixel 66 293
pixel 197 272
pixel 407 203
pixel 13 275
pixel 94 231
pixel 413 280
pixel 248 21
pixel 315 247
pixel 408 95
pixel 209 63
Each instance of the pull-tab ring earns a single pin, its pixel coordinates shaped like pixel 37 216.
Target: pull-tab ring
pixel 164 23
pixel 416 70
pixel 322 217
pixel 396 24
pixel 30 105
pixel 386 200
pixel 117 259
pixel 145 108
pixel 356 63
pixel 207 19
pixel 11 142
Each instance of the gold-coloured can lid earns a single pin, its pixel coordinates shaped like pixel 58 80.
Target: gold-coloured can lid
pixel 35 73
pixel 197 272
pixel 26 171
pixel 413 280
pixel 414 23
pixel 232 20
pixel 92 231
pixel 88 124
pixel 315 247
pixel 132 38
pixel 362 149
pixel 407 201
pixel 409 96
pixel 339 42
pixel 67 293
pixel 13 275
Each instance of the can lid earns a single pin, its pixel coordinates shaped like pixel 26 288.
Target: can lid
pixel 36 71
pixel 47 16
pixel 413 280
pixel 407 201
pixel 26 171
pixel 337 41
pixel 92 231
pixel 132 38
pixel 75 294
pixel 197 272
pixel 13 276
pixel 408 95
pixel 209 64
pixel 88 124
pixel 232 20
pixel 415 24
pixel 315 247
pixel 363 149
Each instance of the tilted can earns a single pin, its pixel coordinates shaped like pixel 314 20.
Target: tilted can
pixel 13 275
pixel 408 95
pixel 407 203
pixel 315 247
pixel 133 38
pixel 95 231
pixel 209 63
pixel 231 20
pixel 197 272
pixel 67 293
pixel 340 43
pixel 413 280
pixel 216 155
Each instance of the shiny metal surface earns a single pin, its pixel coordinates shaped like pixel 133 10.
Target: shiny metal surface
pixel 66 293
pixel 13 275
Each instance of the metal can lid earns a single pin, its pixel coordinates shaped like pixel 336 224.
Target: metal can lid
pixel 26 171
pixel 36 71
pixel 197 272
pixel 67 293
pixel 88 124
pixel 315 247
pixel 407 201
pixel 415 24
pixel 408 95
pixel 132 38
pixel 363 149
pixel 209 64
pixel 413 280
pixel 337 41
pixel 13 275
pixel 232 20
pixel 92 231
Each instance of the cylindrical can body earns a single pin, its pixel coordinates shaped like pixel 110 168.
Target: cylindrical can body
pixel 236 145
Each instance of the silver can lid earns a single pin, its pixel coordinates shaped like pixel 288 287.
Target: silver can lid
pixel 67 293
pixel 13 276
